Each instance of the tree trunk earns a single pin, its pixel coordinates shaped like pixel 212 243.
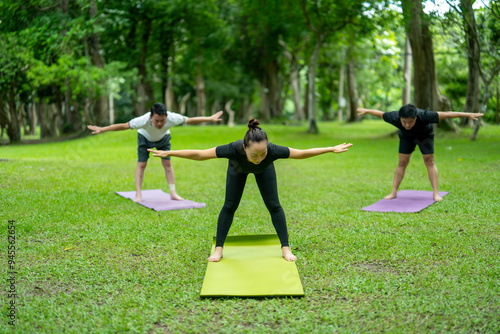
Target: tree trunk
pixel 407 72
pixel 329 116
pixel 353 92
pixel 484 103
pixel 295 81
pixel 42 115
pixel 59 117
pixel 171 102
pixel 342 100
pixel 230 111
pixel 311 80
pixel 166 51
pixel 265 108
pixel 22 118
pixel 4 117
pixel 272 87
pixel 101 111
pixel 497 111
pixel 426 87
pixel 72 119
pixel 33 116
pixel 472 100
pixel 53 120
pixel 87 110
pixel 215 107
pixel 111 107
pixel 248 110
pixel 200 93
pixel 140 105
pixel 144 89
pixel 184 100
pixel 13 129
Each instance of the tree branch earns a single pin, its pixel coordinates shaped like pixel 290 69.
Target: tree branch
pixel 306 15
pixel 48 8
pixel 494 8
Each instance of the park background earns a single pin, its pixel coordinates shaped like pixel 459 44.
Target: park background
pixel 66 64
pixel 90 261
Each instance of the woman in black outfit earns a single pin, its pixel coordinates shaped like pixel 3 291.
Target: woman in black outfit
pixel 254 154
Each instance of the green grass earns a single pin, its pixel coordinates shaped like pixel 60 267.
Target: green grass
pixel 130 269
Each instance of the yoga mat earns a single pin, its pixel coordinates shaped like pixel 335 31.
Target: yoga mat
pixel 159 201
pixel 252 266
pixel 407 201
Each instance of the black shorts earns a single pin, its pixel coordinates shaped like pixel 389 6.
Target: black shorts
pixel 407 145
pixel 143 144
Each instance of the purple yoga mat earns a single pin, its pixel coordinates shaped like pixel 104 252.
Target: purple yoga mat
pixel 159 201
pixel 407 201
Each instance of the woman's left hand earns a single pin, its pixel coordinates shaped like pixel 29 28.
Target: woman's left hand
pixel 341 148
pixel 474 116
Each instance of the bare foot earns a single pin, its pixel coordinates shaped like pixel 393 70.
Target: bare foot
pixel 391 196
pixel 175 197
pixel 437 198
pixel 138 197
pixel 287 254
pixel 216 256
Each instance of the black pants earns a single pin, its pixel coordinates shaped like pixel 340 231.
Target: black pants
pixel 235 183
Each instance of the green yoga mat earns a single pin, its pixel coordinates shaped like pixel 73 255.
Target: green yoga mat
pixel 252 266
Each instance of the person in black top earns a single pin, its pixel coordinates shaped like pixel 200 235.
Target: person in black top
pixel 415 128
pixel 254 154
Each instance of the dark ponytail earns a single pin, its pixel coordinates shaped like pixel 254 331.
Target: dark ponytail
pixel 255 133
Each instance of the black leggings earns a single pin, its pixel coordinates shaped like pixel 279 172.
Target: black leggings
pixel 235 183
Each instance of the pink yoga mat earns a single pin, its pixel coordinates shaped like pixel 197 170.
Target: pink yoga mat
pixel 159 201
pixel 407 201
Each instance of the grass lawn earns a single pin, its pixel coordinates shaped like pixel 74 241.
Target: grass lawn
pixel 89 261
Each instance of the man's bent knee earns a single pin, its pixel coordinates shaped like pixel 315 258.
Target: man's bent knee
pixel 404 160
pixel 429 160
pixel 403 163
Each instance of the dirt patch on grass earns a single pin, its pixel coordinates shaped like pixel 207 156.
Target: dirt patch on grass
pixel 378 268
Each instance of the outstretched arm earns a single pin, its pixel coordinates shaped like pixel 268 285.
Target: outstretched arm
pixel 186 154
pixel 364 111
pixel 197 120
pixel 454 114
pixel 114 127
pixel 312 152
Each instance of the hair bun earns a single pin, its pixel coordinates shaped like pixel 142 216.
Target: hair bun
pixel 253 124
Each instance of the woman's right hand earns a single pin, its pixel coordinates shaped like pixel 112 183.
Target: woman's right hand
pixel 361 111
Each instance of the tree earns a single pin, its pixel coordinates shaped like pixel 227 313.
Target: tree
pixel 323 19
pixel 261 25
pixel 353 90
pixel 292 57
pixel 14 59
pixel 427 94
pixel 407 72
pixel 102 108
pixel 479 70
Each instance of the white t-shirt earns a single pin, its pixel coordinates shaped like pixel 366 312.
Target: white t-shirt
pixel 145 127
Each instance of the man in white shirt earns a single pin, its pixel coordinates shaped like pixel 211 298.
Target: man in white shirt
pixel 153 130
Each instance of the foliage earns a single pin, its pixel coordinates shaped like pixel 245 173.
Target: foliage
pixel 235 45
